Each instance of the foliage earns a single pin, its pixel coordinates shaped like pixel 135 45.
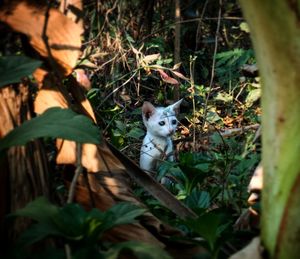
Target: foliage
pixel 81 230
pixel 128 53
pixel 14 68
pixel 56 123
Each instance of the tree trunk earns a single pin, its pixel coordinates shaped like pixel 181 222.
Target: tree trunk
pixel 275 31
pixel 23 170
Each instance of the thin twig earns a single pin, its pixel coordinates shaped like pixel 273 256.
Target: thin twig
pixel 78 171
pixel 213 64
pixel 199 25
pixel 192 91
pixel 117 88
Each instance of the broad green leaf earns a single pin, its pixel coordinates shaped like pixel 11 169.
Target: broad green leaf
pixel 56 123
pixel 122 213
pixel 40 210
pixel 37 232
pixel 136 133
pixel 13 68
pixel 212 116
pixel 71 220
pixel 198 199
pixel 253 96
pixel 210 226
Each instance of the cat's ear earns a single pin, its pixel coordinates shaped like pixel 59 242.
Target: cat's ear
pixel 148 110
pixel 175 106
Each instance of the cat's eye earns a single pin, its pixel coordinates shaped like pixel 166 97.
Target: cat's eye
pixel 161 123
pixel 174 122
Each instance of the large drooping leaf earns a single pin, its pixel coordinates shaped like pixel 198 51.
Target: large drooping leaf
pixel 56 123
pixel 13 68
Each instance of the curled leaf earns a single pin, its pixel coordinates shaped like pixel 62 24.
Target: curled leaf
pixel 150 58
pixel 166 78
pixel 176 73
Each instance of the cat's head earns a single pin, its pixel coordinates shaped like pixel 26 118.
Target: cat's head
pixel 160 121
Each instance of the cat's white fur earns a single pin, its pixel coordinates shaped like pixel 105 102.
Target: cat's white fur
pixel 161 123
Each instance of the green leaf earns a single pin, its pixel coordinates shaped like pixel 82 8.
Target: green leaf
pixel 40 210
pixel 13 68
pixel 253 96
pixel 56 123
pixel 210 226
pixel 198 199
pixel 122 213
pixel 37 232
pixel 136 133
pixel 244 27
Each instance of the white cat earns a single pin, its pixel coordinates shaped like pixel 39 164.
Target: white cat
pixel 161 123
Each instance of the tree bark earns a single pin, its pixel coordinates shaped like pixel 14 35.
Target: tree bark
pixel 275 32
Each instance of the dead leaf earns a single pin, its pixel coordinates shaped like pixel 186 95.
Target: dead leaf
pixel 179 75
pixel 82 79
pixel 166 78
pixel 63 34
pixel 150 58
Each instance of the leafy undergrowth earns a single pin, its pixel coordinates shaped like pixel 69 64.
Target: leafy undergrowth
pixel 130 59
pixel 217 144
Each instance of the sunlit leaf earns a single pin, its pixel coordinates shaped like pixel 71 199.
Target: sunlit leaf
pixel 176 66
pixel 252 97
pixel 224 97
pixel 150 58
pixel 244 27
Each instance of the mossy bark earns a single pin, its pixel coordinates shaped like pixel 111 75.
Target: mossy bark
pixel 275 31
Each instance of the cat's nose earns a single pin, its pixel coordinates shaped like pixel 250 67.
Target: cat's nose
pixel 171 131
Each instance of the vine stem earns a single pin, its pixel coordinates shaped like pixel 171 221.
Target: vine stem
pixel 213 64
pixel 78 171
pixel 192 91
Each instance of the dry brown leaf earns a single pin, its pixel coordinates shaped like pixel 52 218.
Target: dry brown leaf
pixel 176 66
pixel 63 34
pixel 83 79
pixel 150 58
pixel 166 78
pixel 179 75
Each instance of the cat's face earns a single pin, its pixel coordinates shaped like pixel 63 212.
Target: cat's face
pixel 160 121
